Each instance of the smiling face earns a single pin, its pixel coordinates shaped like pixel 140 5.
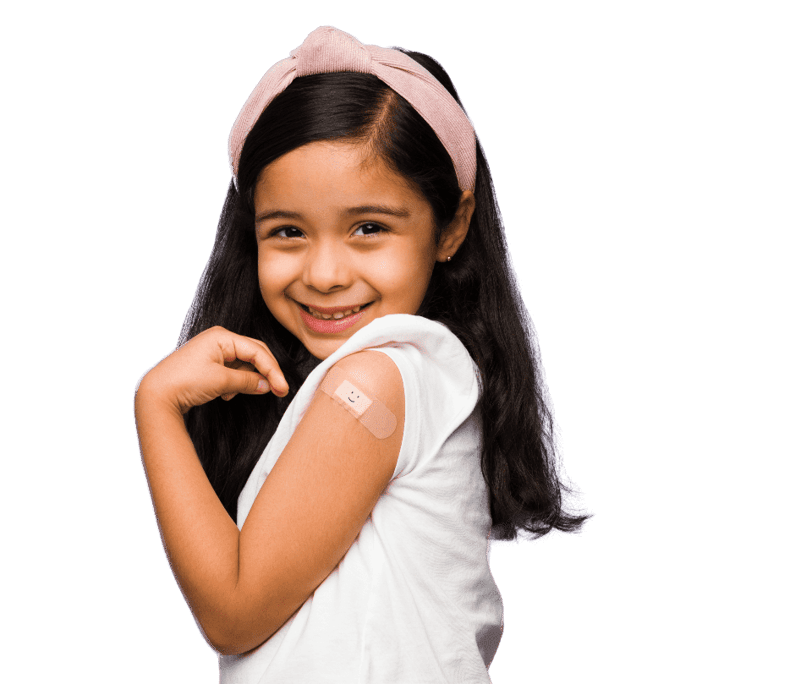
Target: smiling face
pixel 342 240
pixel 353 398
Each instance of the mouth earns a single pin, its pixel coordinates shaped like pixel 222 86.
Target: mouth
pixel 334 323
pixel 334 313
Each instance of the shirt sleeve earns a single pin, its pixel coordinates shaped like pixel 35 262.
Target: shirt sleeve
pixel 440 390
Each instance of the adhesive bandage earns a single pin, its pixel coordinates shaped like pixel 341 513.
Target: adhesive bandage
pixel 369 411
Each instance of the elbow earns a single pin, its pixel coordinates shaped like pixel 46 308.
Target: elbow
pixel 228 635
pixel 223 636
pixel 236 646
pixel 225 642
pixel 217 645
pixel 226 647
pixel 241 621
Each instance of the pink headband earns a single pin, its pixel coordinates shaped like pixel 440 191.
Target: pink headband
pixel 327 50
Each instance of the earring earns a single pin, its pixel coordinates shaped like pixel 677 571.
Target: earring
pixel 448 258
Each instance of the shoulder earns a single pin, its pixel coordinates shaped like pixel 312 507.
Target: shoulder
pixel 370 370
pixel 425 341
pixel 432 360
pixel 368 386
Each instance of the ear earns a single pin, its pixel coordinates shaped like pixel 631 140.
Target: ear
pixel 455 233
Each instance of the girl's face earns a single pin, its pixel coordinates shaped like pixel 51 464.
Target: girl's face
pixel 342 240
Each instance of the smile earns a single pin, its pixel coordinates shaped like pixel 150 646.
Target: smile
pixel 331 321
pixel 337 315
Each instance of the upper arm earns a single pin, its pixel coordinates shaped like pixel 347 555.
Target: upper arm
pixel 315 501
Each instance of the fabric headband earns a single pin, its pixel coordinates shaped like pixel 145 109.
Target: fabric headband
pixel 328 50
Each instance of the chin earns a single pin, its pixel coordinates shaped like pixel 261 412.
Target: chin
pixel 323 350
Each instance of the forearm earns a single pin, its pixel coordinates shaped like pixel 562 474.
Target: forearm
pixel 201 540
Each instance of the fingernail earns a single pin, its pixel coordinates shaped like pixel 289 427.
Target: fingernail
pixel 263 386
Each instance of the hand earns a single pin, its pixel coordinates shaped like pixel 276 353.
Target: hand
pixel 215 363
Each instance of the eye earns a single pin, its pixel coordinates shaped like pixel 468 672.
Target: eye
pixel 286 232
pixel 370 229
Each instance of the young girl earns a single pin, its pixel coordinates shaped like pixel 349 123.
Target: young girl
pixel 356 404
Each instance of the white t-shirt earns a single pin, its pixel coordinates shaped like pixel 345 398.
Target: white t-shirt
pixel 413 600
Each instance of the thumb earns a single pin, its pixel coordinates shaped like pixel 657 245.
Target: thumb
pixel 244 382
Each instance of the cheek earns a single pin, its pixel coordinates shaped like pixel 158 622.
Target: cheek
pixel 403 269
pixel 272 274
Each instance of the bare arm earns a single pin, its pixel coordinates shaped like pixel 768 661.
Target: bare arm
pixel 242 586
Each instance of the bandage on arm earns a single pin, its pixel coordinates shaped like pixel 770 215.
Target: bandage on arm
pixel 368 410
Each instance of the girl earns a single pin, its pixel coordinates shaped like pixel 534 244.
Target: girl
pixel 359 260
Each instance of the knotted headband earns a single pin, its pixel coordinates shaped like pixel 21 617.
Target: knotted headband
pixel 328 50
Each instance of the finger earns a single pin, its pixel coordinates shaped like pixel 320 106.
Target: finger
pixel 257 354
pixel 243 382
pixel 261 388
pixel 238 364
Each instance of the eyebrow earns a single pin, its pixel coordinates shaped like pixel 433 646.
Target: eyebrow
pixel 378 209
pixel 351 211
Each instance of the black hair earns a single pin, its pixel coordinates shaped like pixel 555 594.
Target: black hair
pixel 475 296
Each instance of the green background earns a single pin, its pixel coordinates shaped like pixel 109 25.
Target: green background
pixel 640 155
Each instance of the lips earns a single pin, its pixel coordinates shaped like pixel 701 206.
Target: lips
pixel 335 313
pixel 328 320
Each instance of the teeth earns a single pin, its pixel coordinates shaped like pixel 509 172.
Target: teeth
pixel 335 316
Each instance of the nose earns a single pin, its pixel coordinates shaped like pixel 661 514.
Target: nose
pixel 326 268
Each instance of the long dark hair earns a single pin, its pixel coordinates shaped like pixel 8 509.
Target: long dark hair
pixel 475 296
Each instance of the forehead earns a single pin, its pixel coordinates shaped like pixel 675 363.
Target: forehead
pixel 335 173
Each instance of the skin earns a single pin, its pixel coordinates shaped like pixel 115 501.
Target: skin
pixel 243 585
pixel 325 239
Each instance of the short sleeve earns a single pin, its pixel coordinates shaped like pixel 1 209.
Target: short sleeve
pixel 439 382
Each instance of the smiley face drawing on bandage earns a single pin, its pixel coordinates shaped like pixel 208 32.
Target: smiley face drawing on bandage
pixel 353 398
pixel 372 413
